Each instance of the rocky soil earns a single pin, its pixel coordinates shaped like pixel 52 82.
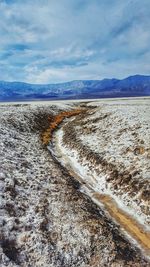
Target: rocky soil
pixel 44 218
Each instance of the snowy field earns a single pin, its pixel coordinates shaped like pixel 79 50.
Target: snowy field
pixel 109 148
pixel 44 219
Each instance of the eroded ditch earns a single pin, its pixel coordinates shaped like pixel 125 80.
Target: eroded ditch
pixel 45 218
pixel 134 230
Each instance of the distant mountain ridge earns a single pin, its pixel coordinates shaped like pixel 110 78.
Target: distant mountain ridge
pixel 137 85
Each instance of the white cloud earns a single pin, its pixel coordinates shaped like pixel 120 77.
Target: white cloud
pixel 47 75
pixel 73 39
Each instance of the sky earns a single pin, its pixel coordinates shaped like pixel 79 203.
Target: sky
pixel 52 41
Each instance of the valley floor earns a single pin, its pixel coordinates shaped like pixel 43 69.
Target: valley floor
pixel 46 219
pixel 108 150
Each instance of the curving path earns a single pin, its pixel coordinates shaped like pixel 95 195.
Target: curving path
pixel 134 231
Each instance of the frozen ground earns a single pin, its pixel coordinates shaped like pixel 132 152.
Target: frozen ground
pixel 44 219
pixel 109 147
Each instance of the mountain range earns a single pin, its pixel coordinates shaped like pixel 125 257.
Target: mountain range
pixel 137 85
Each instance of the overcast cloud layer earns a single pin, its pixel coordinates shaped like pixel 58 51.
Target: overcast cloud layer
pixel 46 41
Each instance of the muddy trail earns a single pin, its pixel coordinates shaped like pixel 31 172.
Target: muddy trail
pixel 127 227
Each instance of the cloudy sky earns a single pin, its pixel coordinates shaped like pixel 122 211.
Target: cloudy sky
pixel 50 41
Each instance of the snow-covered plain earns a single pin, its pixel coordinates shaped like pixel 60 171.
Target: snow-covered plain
pixel 109 148
pixel 44 219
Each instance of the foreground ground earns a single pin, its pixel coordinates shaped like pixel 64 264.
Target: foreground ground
pixel 45 219
pixel 108 150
